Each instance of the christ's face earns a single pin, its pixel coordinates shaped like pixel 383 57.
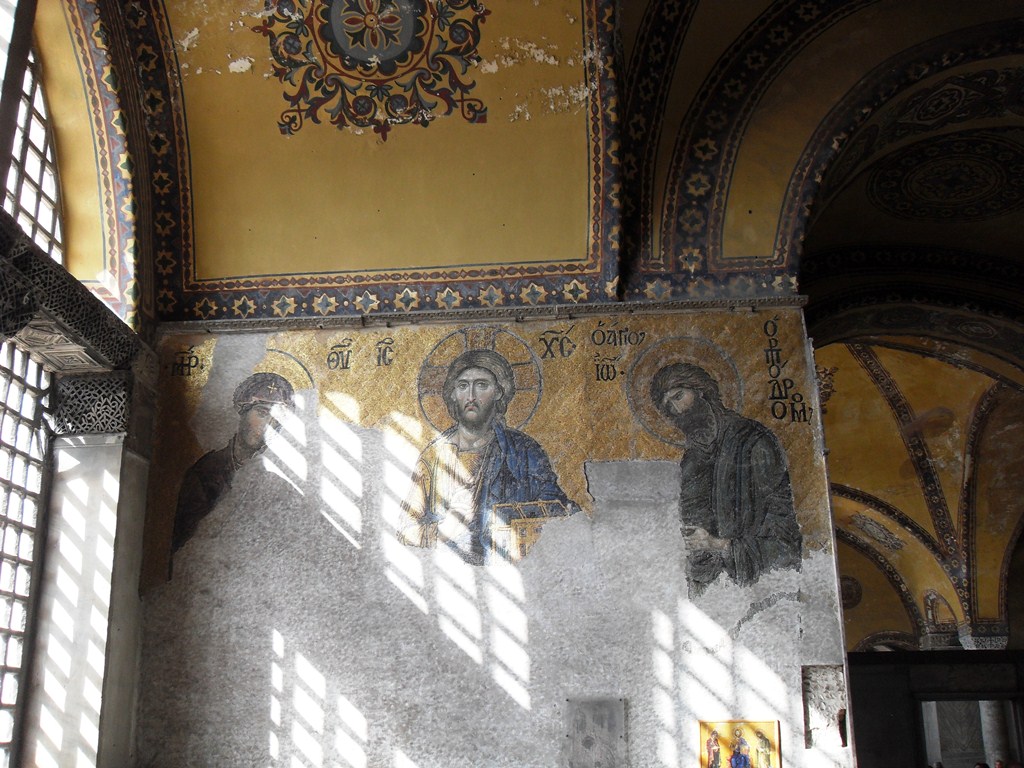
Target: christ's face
pixel 476 397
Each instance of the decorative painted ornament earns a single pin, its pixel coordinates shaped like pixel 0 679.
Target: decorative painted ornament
pixel 967 176
pixel 375 63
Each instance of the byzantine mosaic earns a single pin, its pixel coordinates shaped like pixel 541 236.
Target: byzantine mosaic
pixel 563 394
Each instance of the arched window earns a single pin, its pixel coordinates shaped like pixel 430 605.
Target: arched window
pixel 32 193
pixel 32 198
pixel 24 386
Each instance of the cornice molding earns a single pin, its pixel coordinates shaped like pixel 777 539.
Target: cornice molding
pixel 504 315
pixel 53 316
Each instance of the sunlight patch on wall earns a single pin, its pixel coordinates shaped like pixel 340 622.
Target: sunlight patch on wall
pixel 341 477
pixel 455 592
pixel 287 445
pixel 352 733
pixel 405 571
pixel 485 622
pixel 74 614
pixel 402 760
pixel 712 663
pixel 509 635
pixel 304 725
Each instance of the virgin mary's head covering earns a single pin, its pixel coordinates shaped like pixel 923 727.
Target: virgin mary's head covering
pixel 263 389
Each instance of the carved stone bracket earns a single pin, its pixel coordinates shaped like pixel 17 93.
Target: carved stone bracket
pixel 53 316
pixel 986 638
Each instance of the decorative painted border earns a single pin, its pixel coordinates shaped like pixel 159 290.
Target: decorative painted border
pixel 552 312
pixel 689 254
pixel 920 456
pixel 706 148
pixel 904 521
pixel 989 94
pixel 924 294
pixel 950 359
pixel 92 44
pixel 967 512
pixel 838 132
pixel 646 89
pixel 892 575
pixel 903 640
pixel 1004 570
pixel 956 559
pixel 149 38
pixel 181 297
pixel 1001 338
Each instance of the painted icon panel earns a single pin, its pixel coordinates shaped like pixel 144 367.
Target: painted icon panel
pixel 740 744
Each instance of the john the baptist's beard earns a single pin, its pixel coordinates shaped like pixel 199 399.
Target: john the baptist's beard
pixel 698 423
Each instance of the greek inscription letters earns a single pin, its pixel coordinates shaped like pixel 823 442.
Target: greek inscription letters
pixel 786 400
pixel 605 368
pixel 185 362
pixel 385 352
pixel 557 343
pixel 616 337
pixel 798 408
pixel 340 356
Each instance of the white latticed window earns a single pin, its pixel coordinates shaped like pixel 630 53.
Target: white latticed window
pixel 32 196
pixel 23 391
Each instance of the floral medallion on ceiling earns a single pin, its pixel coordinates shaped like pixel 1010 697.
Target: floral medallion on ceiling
pixel 374 63
pixel 958 177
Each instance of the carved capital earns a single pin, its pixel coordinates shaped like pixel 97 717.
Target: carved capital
pixel 92 403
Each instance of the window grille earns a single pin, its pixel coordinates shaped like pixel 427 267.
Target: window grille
pixel 32 195
pixel 24 387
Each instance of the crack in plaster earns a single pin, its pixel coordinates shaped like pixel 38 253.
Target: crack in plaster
pixel 755 608
pixel 760 606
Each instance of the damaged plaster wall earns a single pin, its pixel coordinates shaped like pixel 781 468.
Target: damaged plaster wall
pixel 220 40
pixel 294 628
pixel 304 646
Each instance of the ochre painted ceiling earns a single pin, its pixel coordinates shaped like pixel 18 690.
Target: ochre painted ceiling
pixel 926 486
pixel 867 154
pixel 517 153
pixel 323 200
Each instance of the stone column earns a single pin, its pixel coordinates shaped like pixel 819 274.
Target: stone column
pixel 69 671
pixel 932 743
pixel 993 731
pixel 81 706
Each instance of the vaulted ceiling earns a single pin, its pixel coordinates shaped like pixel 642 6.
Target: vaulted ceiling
pixel 243 162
